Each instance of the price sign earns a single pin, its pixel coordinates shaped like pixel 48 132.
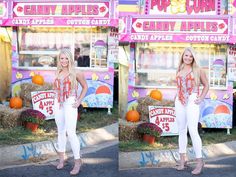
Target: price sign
pixel 43 101
pixel 165 118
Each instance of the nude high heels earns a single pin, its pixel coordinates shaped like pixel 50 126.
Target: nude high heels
pixel 182 166
pixel 182 163
pixel 199 167
pixel 62 160
pixel 77 166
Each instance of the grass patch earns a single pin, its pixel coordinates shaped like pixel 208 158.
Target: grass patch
pixel 93 118
pixel 209 136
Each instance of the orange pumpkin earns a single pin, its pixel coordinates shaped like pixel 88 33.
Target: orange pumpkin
pixel 16 102
pixel 132 116
pixel 156 94
pixel 38 79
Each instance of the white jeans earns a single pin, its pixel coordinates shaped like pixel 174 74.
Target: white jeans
pixel 66 120
pixel 187 117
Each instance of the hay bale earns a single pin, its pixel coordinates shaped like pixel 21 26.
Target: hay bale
pixel 128 131
pixel 27 88
pixel 144 102
pixel 10 118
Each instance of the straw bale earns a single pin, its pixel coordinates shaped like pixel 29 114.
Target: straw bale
pixel 144 102
pixel 27 88
pixel 128 131
pixel 10 118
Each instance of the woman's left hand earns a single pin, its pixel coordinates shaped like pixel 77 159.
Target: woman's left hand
pixel 198 100
pixel 76 103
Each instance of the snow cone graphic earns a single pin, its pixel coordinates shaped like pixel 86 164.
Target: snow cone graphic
pixel 222 109
pixel 223 116
pixel 90 97
pixel 103 96
pixel 218 66
pixel 99 46
pixel 216 115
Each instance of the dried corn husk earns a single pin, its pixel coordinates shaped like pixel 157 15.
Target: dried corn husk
pixel 27 88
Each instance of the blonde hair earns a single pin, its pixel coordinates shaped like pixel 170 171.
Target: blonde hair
pixel 71 67
pixel 195 67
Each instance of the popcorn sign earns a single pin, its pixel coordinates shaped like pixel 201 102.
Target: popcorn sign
pixel 43 101
pixel 165 118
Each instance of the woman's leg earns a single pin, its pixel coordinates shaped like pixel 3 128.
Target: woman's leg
pixel 182 129
pixel 193 111
pixel 60 122
pixel 71 122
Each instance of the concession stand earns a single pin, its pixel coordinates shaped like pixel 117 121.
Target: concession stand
pixel 88 28
pixel 158 37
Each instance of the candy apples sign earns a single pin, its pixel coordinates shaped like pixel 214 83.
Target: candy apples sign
pixel 181 26
pixel 43 101
pixel 188 7
pixel 61 9
pixel 164 117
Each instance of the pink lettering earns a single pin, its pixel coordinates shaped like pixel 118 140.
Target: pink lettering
pixel 77 9
pixel 71 9
pixel 64 10
pixel 53 9
pixel 39 9
pixel 190 26
pixel 158 26
pixel 161 4
pixel 46 10
pixel 200 6
pixel 183 26
pixel 89 10
pixel 95 10
pixel 197 6
pixel 27 10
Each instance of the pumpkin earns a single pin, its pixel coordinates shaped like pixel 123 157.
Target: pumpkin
pixel 38 79
pixel 156 94
pixel 132 116
pixel 16 102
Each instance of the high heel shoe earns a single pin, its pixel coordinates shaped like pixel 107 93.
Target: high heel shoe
pixel 60 165
pixel 77 166
pixel 182 166
pixel 198 169
pixel 62 161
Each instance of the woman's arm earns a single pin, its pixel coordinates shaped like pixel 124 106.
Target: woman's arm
pixel 80 78
pixel 204 81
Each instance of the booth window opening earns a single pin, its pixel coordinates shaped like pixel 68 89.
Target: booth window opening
pixel 156 63
pixel 39 46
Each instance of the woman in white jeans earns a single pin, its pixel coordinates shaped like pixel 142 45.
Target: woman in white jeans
pixel 189 77
pixel 66 103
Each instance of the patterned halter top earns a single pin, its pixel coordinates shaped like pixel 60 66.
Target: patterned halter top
pixel 186 86
pixel 63 89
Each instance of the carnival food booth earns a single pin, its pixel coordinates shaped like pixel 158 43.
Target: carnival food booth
pixel 87 28
pixel 157 39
